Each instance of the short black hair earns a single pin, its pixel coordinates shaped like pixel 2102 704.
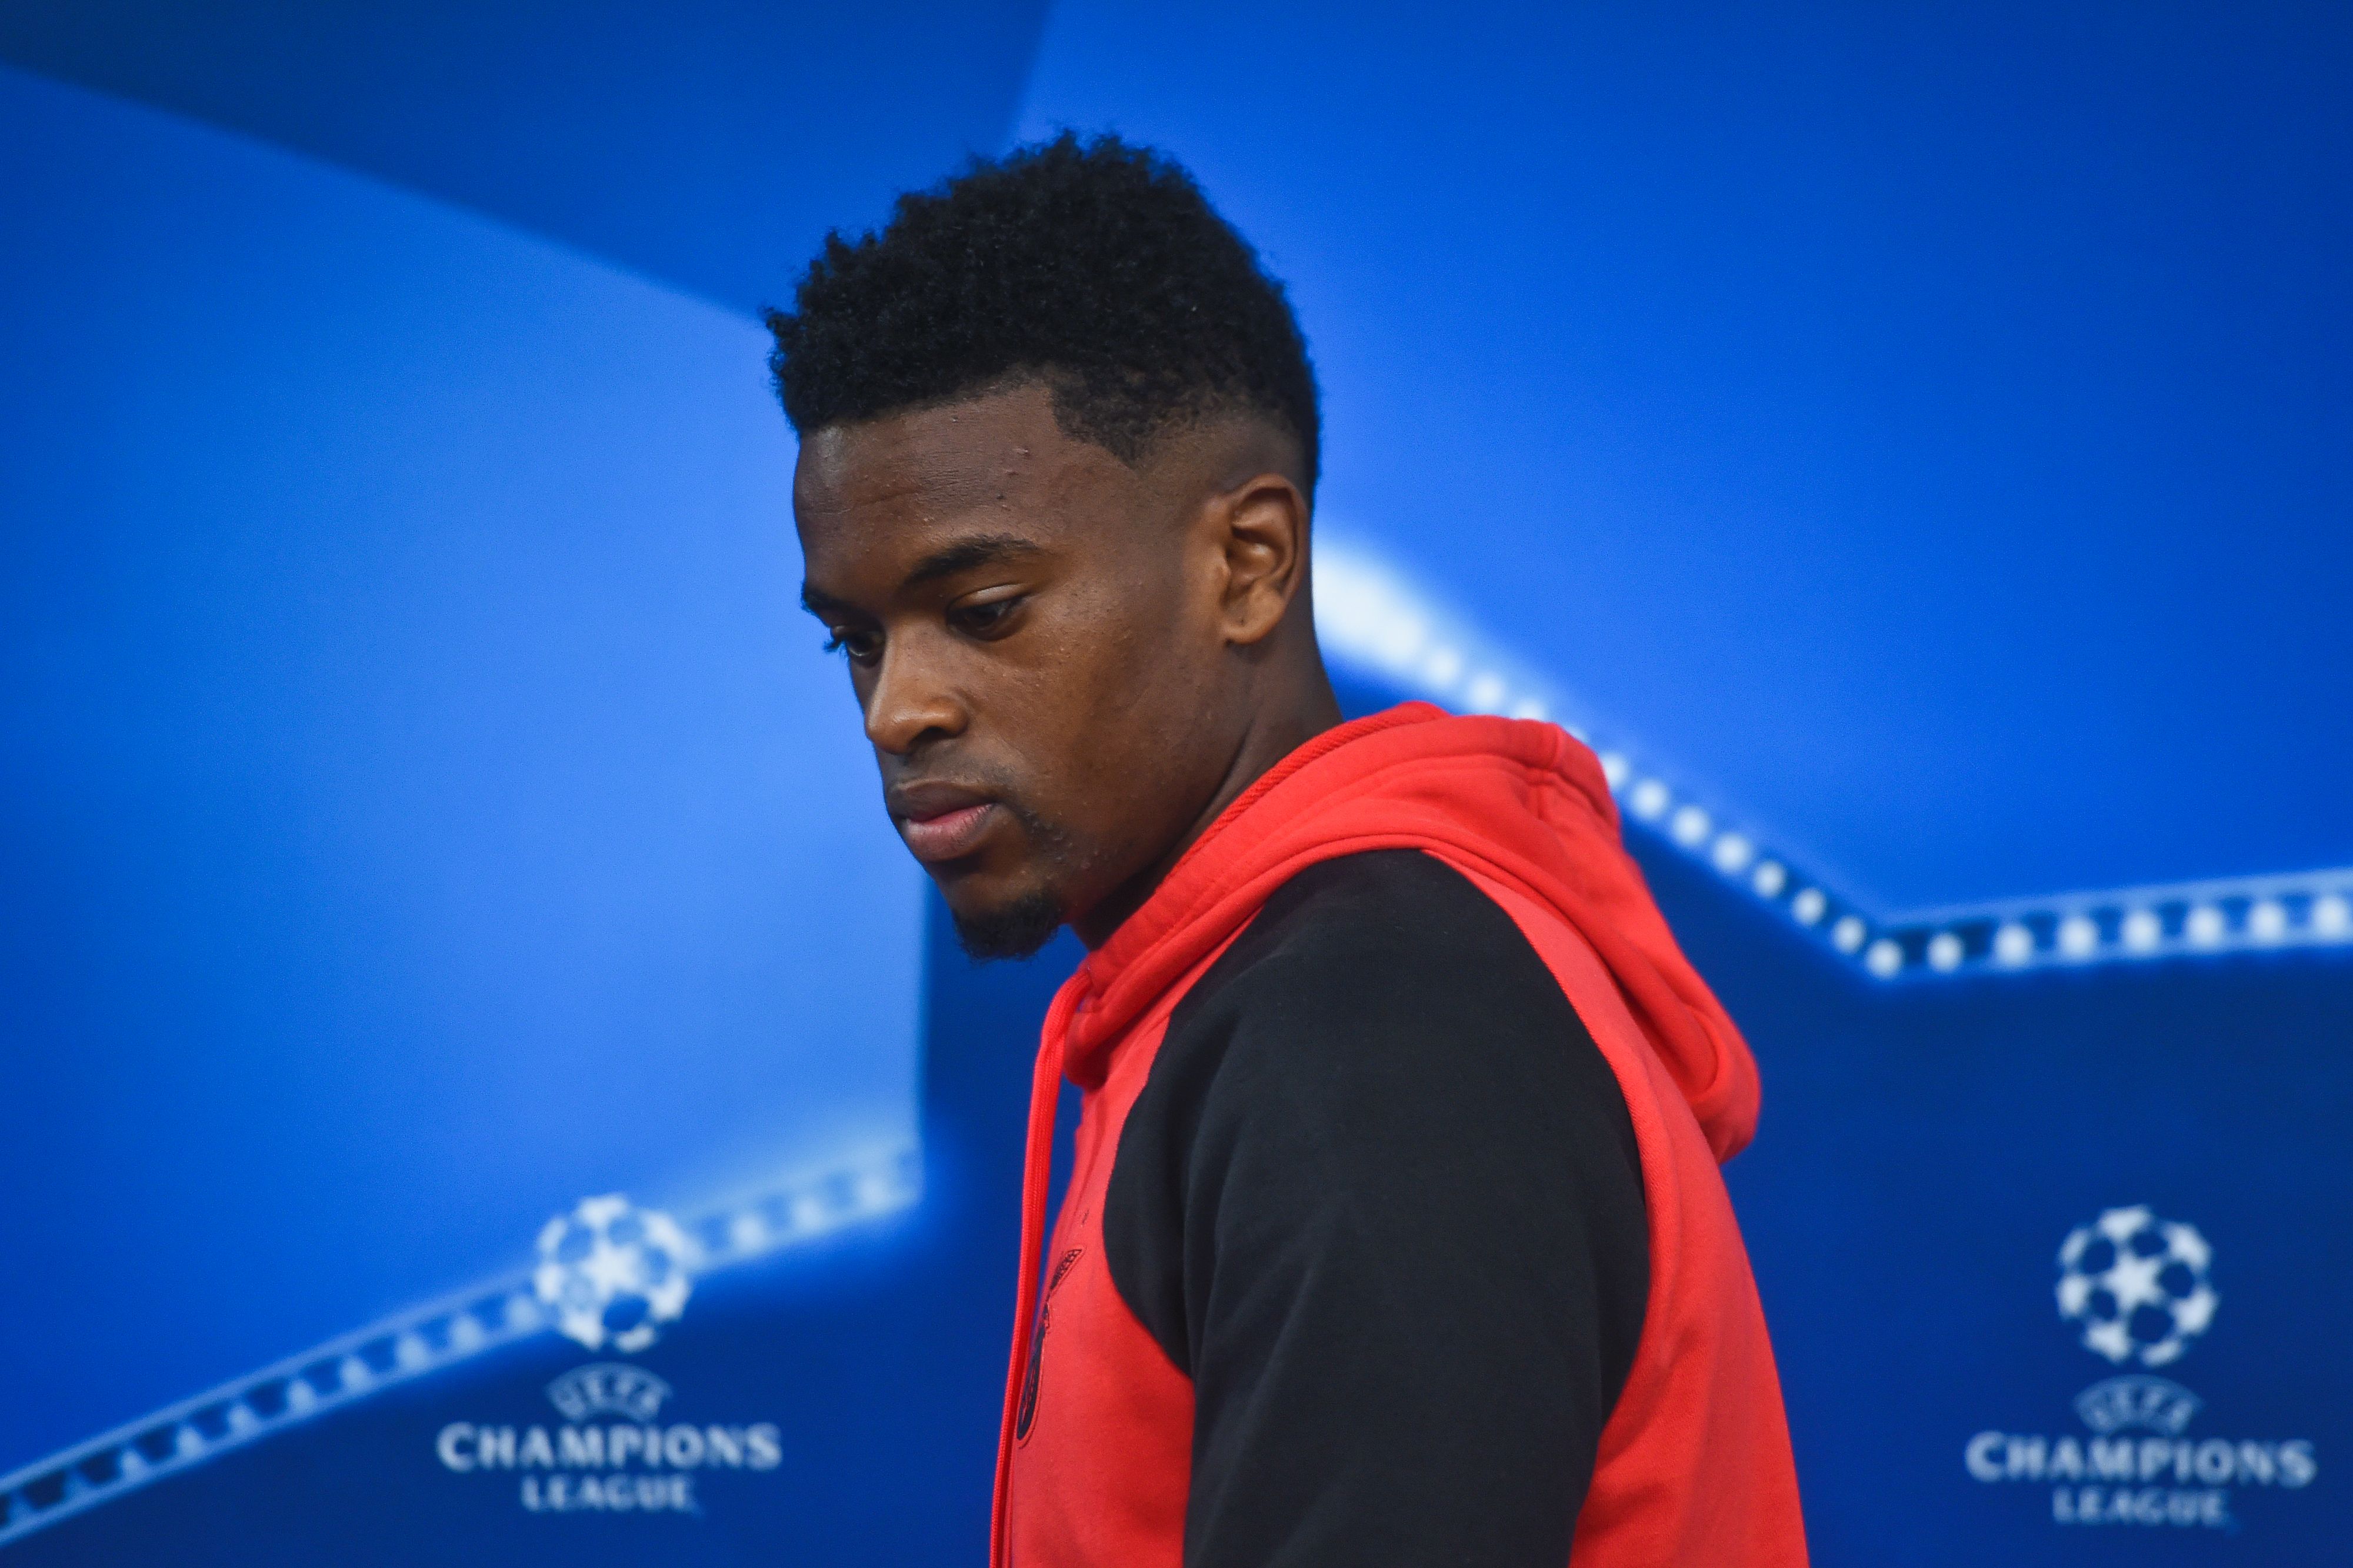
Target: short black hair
pixel 1096 267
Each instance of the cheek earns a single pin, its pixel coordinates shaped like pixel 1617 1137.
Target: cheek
pixel 1140 737
pixel 1122 675
pixel 1111 719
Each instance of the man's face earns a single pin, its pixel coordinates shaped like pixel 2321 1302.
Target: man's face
pixel 1032 632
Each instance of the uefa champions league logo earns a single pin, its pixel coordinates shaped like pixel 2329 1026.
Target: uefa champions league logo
pixel 611 1274
pixel 2135 1288
pixel 2138 1285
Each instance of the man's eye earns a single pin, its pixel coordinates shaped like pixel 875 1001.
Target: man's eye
pixel 861 647
pixel 986 617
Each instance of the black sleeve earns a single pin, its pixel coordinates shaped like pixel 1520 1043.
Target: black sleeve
pixel 1380 1199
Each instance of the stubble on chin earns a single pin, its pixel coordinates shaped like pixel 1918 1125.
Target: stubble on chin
pixel 1011 930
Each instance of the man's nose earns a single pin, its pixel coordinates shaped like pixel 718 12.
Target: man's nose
pixel 910 702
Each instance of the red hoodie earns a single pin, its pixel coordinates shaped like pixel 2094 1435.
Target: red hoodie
pixel 1693 1465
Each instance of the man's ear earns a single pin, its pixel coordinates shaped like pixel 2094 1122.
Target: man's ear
pixel 1262 524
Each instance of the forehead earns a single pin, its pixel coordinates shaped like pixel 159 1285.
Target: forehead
pixel 904 479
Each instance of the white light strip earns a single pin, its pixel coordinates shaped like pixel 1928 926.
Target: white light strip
pixel 2240 914
pixel 1371 618
pixel 499 1311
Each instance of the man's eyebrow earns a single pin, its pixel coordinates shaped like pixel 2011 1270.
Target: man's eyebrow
pixel 978 550
pixel 820 603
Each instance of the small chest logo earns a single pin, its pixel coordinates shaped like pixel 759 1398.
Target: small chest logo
pixel 1029 1412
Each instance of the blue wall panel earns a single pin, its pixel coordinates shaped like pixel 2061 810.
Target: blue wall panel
pixel 878 1357
pixel 707 144
pixel 1925 1151
pixel 425 804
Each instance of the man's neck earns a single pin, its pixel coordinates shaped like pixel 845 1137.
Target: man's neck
pixel 1274 732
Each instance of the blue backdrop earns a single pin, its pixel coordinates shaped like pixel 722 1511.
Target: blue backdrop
pixel 1910 447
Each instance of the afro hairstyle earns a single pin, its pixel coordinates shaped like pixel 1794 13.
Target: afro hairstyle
pixel 1094 267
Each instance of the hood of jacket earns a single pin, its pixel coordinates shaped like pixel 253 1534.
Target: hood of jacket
pixel 1520 801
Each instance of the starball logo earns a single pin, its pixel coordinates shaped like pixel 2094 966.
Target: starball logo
pixel 612 1275
pixel 2135 1288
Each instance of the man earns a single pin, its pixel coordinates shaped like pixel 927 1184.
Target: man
pixel 1394 1232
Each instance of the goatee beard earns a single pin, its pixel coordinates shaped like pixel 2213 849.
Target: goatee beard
pixel 1015 931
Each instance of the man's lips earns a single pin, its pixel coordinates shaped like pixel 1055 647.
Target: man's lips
pixel 948 835
pixel 941 822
